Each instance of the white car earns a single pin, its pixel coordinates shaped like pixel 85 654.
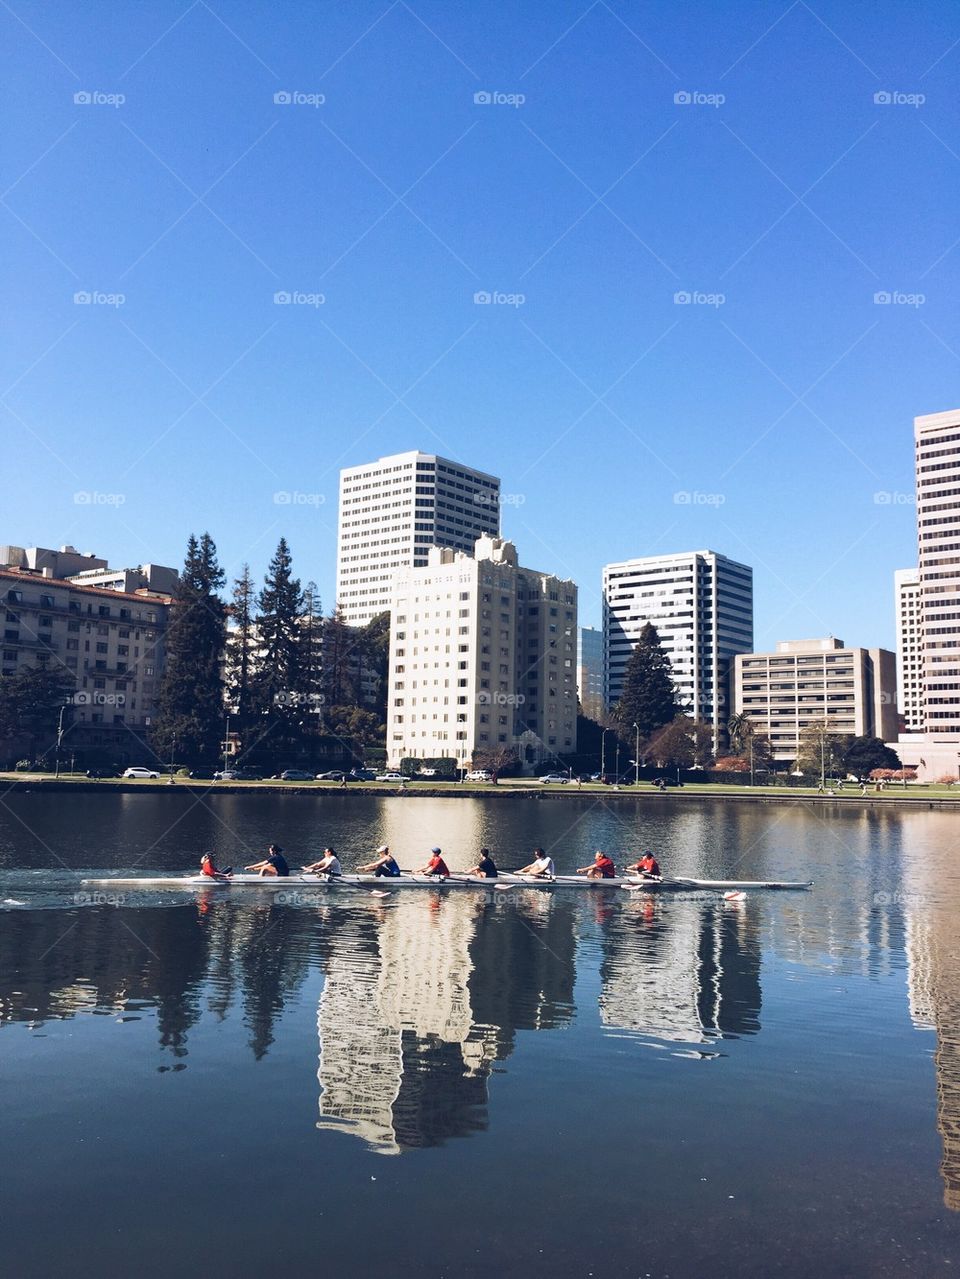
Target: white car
pixel 549 779
pixel 140 772
pixel 391 777
pixel 479 775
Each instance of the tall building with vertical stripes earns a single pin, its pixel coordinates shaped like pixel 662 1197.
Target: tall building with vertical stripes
pixel 701 604
pixel 937 440
pixel 393 510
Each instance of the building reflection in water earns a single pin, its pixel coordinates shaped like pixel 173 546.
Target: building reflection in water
pixel 931 910
pixel 685 970
pixel 409 1034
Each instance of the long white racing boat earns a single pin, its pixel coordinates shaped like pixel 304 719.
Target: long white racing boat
pixel 503 881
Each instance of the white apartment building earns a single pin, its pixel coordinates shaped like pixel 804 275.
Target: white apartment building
pixel 909 649
pixel 393 510
pixel 937 438
pixel 701 604
pixel 482 656
pixel 813 681
pixel 110 643
pixel 590 671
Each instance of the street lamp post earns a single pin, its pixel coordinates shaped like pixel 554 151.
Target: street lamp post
pixel 226 745
pixel 636 758
pixel 617 757
pixel 823 772
pixel 603 754
pixel 59 738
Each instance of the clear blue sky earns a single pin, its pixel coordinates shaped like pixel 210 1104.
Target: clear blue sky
pixel 784 409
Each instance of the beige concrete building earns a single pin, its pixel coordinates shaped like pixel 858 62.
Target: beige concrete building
pixel 909 649
pixel 482 656
pixel 810 681
pixel 393 510
pixel 110 644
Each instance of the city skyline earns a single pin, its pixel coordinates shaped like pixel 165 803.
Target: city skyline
pixel 246 254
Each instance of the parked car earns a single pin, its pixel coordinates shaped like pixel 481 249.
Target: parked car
pixel 662 782
pixel 362 775
pixel 479 775
pixel 295 775
pixel 203 774
pixel 391 777
pixel 551 779
pixel 96 773
pixel 334 775
pixel 140 772
pixel 238 775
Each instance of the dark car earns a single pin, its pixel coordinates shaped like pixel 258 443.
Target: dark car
pixel 662 782
pixel 96 773
pixel 362 775
pixel 203 774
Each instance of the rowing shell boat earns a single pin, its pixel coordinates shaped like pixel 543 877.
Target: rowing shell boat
pixel 505 880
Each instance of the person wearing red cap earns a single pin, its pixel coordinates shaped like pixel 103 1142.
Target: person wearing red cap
pixel 600 868
pixel 436 866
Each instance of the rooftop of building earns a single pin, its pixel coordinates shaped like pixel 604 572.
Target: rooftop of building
pixel 64 584
pixel 415 455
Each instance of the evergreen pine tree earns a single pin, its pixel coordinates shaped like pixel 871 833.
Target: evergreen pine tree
pixel 310 664
pixel 279 606
pixel 241 653
pixel 340 682
pixel 649 698
pixel 190 714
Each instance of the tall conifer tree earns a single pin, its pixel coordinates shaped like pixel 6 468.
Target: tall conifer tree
pixel 190 715
pixel 649 698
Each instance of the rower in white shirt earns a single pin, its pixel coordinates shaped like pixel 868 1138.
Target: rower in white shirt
pixel 542 866
pixel 329 864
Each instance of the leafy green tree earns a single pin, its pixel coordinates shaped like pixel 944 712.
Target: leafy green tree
pixel 30 704
pixel 867 753
pixel 649 698
pixel 673 744
pixel 822 751
pixel 190 700
pixel 353 722
pixel 340 665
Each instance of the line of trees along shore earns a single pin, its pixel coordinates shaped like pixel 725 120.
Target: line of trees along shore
pixel 291 680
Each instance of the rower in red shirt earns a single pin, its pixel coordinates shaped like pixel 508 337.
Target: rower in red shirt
pixel 208 868
pixel 435 866
pixel 647 866
pixel 601 867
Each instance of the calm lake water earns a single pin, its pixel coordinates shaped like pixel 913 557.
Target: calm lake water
pixel 473 1084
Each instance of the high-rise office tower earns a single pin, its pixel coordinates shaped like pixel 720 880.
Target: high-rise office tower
pixel 393 510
